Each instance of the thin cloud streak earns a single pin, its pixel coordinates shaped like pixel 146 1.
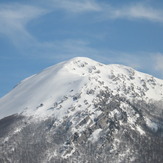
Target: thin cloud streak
pixel 14 18
pixel 159 63
pixel 106 11
pixel 75 6
pixel 138 11
pixel 67 48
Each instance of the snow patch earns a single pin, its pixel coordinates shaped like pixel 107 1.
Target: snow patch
pixel 151 124
pixel 140 130
pixel 95 135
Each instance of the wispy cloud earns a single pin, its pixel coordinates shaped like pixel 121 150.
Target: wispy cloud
pixel 14 18
pixel 105 10
pixel 69 48
pixel 64 49
pixel 158 62
pixel 75 6
pixel 132 12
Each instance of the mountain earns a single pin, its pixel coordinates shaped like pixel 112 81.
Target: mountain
pixel 83 111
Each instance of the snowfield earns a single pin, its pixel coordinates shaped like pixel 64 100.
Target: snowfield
pixel 37 93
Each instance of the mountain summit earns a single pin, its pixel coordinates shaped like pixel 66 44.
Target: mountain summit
pixel 36 94
pixel 82 110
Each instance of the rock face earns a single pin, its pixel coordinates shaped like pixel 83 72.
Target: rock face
pixel 83 111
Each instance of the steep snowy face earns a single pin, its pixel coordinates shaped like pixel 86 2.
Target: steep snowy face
pixel 53 91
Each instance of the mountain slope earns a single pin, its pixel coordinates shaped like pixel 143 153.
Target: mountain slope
pixel 79 74
pixel 86 111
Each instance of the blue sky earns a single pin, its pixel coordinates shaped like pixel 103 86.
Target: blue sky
pixel 37 34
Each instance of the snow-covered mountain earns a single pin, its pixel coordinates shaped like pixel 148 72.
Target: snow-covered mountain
pixel 83 110
pixel 77 77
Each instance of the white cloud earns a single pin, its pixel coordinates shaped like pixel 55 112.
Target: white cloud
pixel 131 11
pixel 75 6
pixel 140 11
pixel 136 11
pixel 64 49
pixel 69 48
pixel 14 18
pixel 159 62
pixel 107 11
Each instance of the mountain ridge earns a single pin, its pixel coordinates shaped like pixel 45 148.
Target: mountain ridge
pixel 75 70
pixel 83 111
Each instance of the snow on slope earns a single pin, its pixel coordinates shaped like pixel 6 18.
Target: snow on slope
pixel 54 90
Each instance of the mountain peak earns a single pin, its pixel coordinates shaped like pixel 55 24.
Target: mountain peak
pixel 79 74
pixel 84 59
pixel 83 108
